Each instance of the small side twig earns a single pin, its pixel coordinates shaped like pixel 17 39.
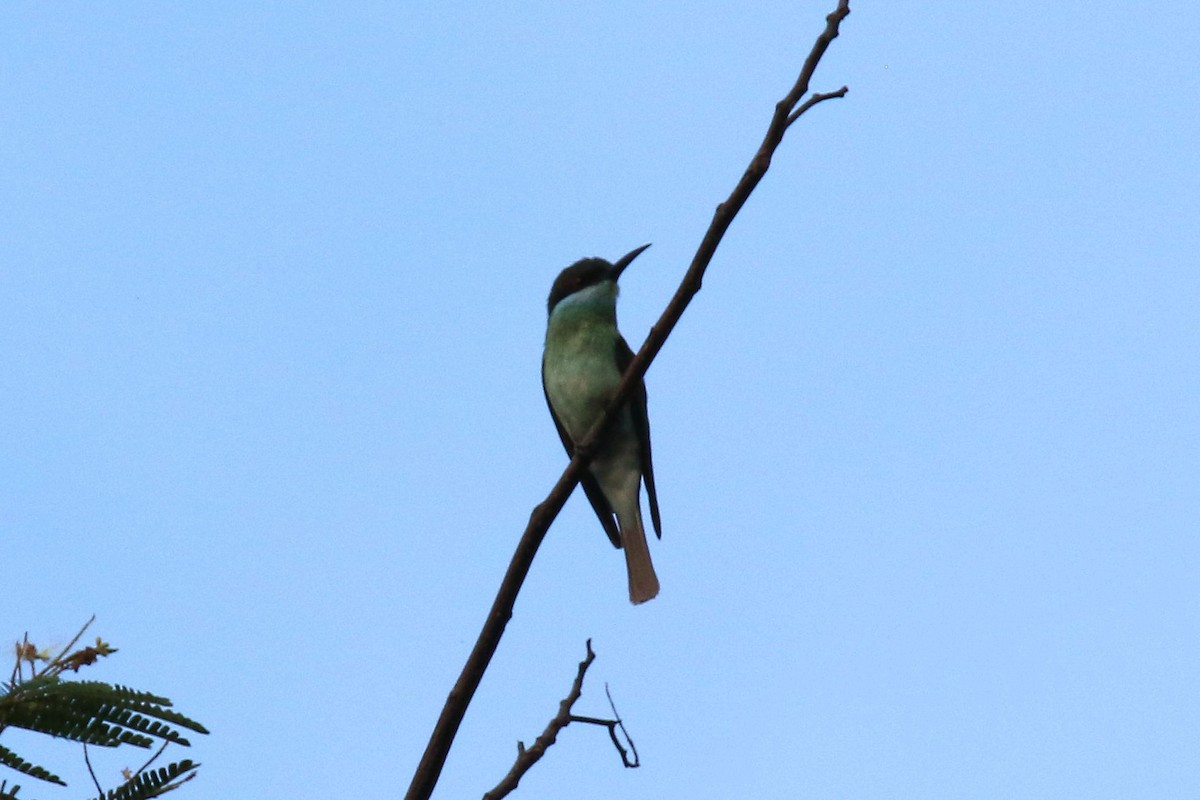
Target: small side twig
pixel 528 756
pixel 817 97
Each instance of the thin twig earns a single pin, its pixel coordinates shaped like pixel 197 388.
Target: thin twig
pixel 17 676
pixel 153 758
pixel 434 758
pixel 621 724
pixel 57 659
pixel 92 772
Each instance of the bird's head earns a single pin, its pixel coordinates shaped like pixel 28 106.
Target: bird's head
pixel 586 273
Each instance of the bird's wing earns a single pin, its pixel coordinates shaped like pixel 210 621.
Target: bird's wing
pixel 641 424
pixel 590 487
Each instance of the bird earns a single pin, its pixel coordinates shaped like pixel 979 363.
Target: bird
pixel 582 364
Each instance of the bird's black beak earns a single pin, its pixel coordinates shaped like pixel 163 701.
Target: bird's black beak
pixel 626 260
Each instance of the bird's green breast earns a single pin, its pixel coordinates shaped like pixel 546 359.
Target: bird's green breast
pixel 579 364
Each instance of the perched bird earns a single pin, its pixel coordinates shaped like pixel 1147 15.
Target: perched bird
pixel 582 365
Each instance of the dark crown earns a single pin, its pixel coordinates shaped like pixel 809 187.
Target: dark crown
pixel 580 275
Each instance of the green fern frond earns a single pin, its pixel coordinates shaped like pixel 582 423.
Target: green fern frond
pixel 94 713
pixel 154 782
pixel 127 701
pixel 6 793
pixel 10 759
pixel 33 684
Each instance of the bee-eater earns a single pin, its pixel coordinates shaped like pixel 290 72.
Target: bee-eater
pixel 584 358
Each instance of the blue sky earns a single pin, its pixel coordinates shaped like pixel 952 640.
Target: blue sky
pixel 272 295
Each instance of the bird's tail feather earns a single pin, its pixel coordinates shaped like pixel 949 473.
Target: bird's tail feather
pixel 643 583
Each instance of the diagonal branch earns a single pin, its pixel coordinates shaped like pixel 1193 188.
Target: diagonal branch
pixel 787 111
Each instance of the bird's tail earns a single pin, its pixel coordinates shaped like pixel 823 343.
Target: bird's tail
pixel 643 583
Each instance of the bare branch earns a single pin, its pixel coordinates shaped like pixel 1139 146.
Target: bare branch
pixel 528 756
pixel 786 112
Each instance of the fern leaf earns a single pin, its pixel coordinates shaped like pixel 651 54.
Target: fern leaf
pixel 10 759
pixel 155 782
pixel 95 713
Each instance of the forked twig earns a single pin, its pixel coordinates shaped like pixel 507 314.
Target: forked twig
pixel 528 756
